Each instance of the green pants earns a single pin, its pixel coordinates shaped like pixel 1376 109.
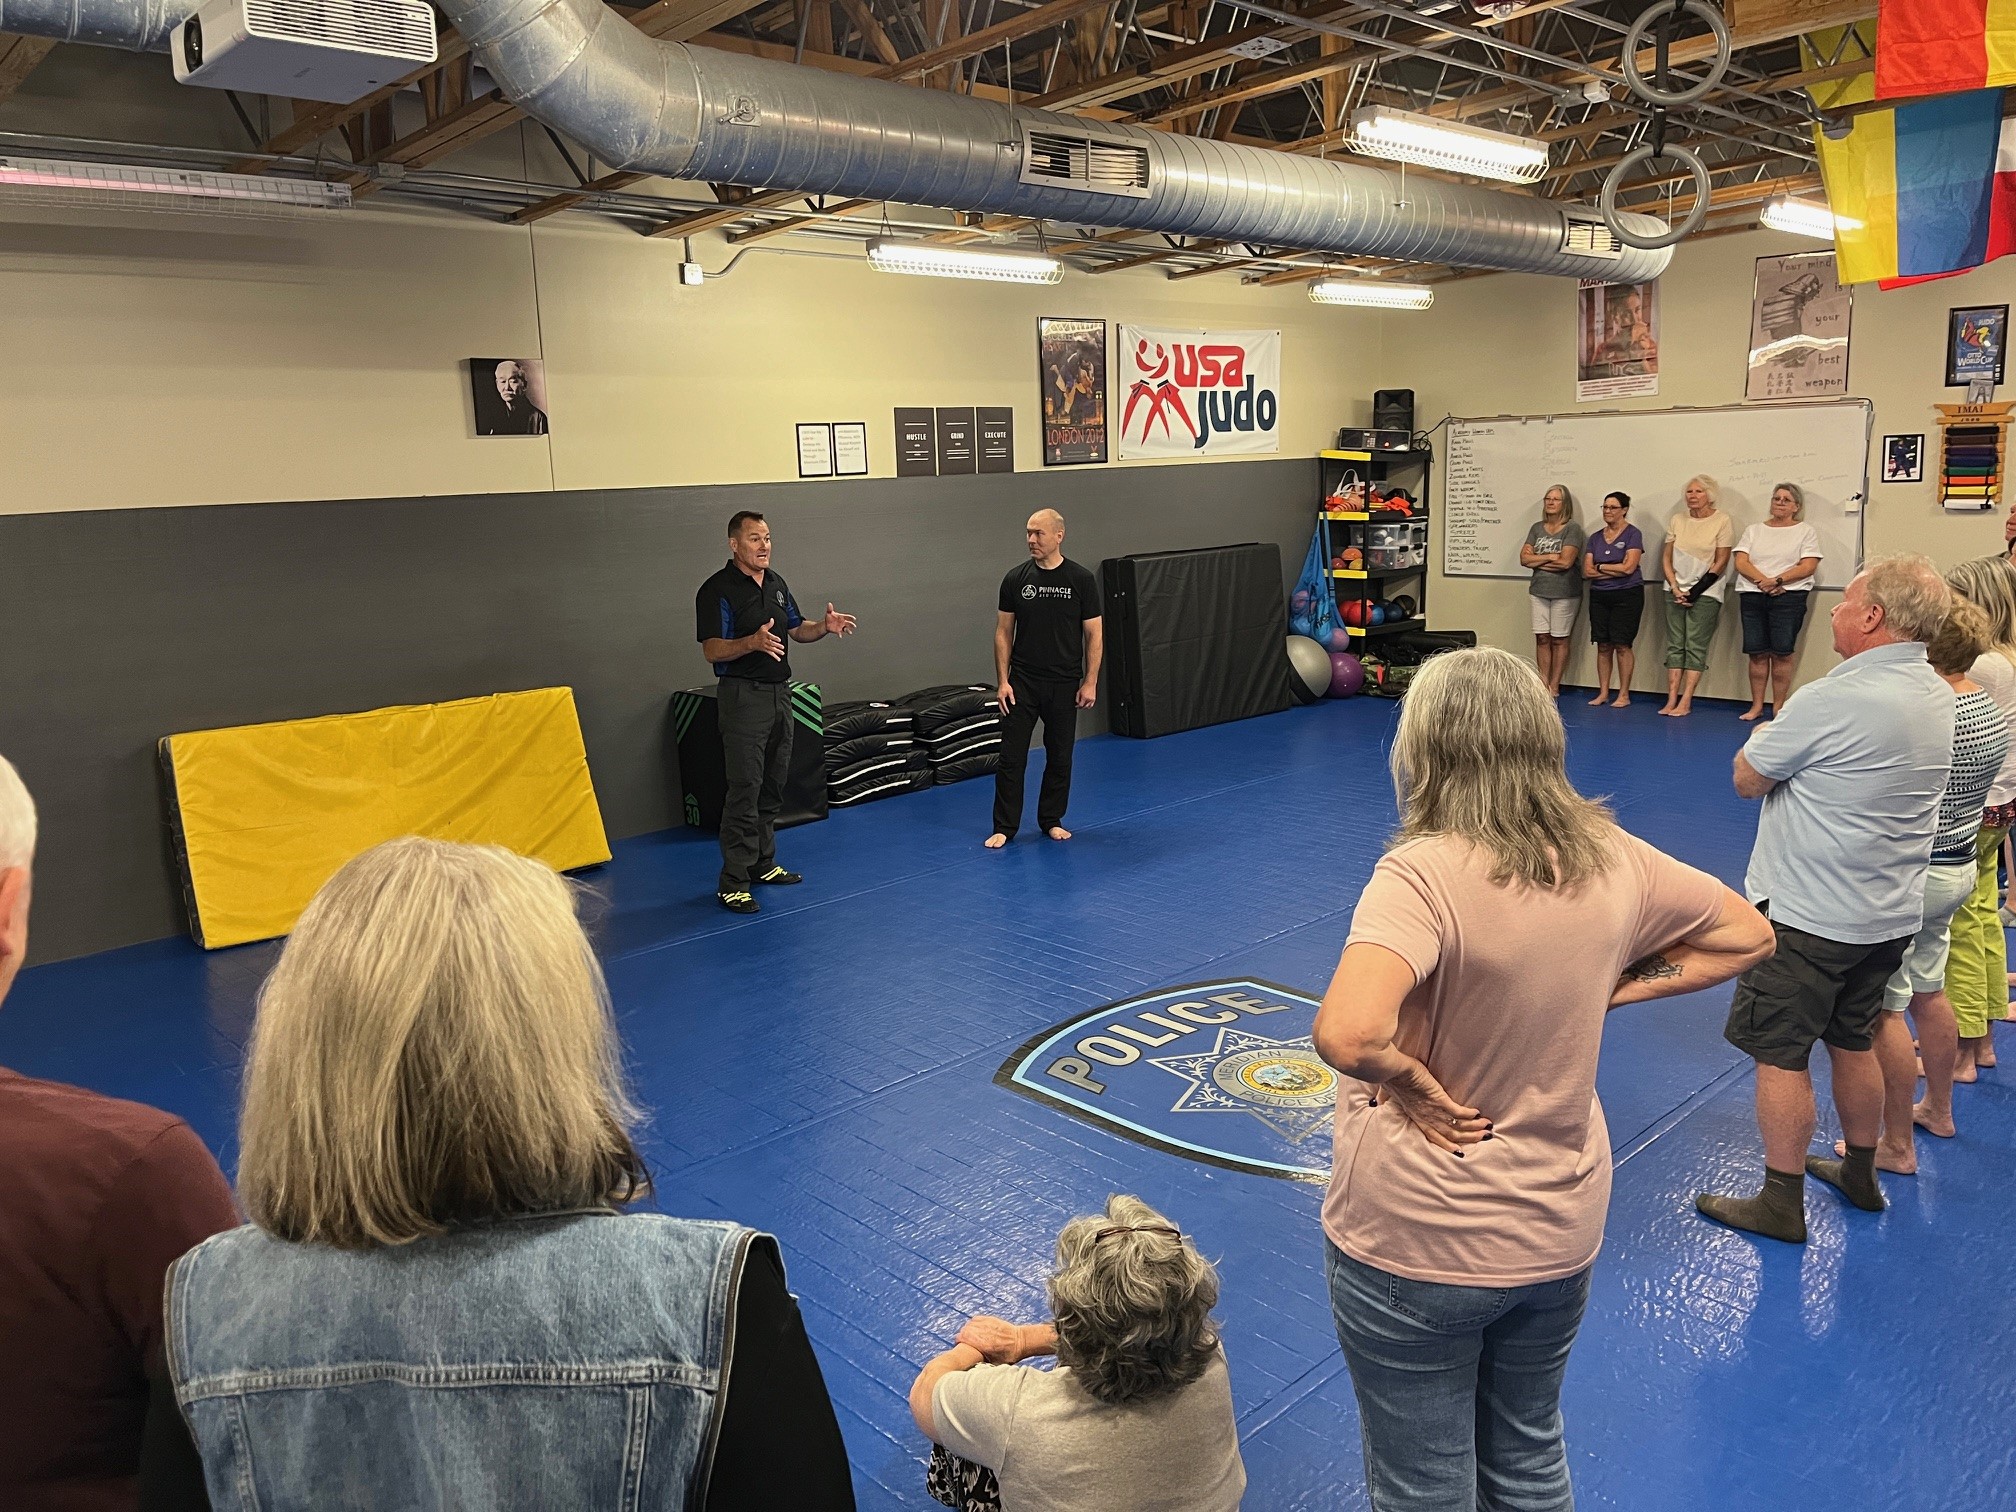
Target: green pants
pixel 1689 629
pixel 1977 970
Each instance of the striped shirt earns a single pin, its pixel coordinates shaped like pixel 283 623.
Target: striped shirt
pixel 1980 745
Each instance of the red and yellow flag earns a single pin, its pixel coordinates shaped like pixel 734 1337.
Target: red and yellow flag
pixel 1934 47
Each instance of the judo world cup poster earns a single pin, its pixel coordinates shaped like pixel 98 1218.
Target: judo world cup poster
pixel 1198 393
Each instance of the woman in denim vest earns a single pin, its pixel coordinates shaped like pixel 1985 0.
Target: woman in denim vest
pixel 440 1304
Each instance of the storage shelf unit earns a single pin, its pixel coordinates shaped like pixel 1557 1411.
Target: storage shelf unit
pixel 1368 585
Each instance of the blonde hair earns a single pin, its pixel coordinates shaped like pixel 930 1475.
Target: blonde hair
pixel 1132 1309
pixel 1481 754
pixel 1798 498
pixel 434 1047
pixel 1962 640
pixel 17 819
pixel 1989 583
pixel 1567 500
pixel 1708 486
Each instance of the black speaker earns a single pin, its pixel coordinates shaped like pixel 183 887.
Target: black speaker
pixel 1393 409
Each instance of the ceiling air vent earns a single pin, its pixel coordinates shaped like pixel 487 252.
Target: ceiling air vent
pixel 1067 160
pixel 1587 236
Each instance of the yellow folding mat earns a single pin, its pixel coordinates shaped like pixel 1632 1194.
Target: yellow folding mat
pixel 265 814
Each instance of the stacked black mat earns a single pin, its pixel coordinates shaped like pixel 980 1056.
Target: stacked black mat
pixel 938 734
pixel 871 752
pixel 696 727
pixel 959 727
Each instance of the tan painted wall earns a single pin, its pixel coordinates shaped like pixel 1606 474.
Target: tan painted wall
pixel 164 360
pixel 1506 345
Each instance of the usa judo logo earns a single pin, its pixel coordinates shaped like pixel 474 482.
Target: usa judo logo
pixel 1220 1072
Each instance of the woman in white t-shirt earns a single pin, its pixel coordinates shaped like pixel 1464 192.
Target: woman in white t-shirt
pixel 1138 1412
pixel 1776 563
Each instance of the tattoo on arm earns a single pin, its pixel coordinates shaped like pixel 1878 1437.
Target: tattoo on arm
pixel 1651 969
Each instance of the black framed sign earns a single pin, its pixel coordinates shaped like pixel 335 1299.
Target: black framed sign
pixel 1977 340
pixel 916 443
pixel 1904 459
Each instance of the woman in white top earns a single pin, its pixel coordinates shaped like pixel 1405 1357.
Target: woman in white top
pixel 1138 1412
pixel 1776 563
pixel 1977 967
pixel 1695 559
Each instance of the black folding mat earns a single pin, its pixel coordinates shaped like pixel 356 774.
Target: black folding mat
pixel 1195 638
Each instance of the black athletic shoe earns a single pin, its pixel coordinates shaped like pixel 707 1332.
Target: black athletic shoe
pixel 778 877
pixel 739 902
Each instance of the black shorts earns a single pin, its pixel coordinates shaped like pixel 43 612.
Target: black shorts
pixel 1771 621
pixel 1614 614
pixel 1813 989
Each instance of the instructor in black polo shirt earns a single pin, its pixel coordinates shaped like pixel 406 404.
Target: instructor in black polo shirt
pixel 739 614
pixel 1047 644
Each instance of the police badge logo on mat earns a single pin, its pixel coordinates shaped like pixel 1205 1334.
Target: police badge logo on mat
pixel 1222 1072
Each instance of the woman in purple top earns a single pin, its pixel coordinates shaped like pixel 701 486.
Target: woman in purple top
pixel 1616 596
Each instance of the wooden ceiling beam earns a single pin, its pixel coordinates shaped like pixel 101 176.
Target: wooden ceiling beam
pixel 780 228
pixel 1023 24
pixel 1155 257
pixel 553 205
pixel 20 57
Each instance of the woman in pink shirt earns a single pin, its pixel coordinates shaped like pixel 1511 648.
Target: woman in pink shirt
pixel 1472 1165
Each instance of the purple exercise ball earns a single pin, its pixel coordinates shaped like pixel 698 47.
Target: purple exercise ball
pixel 1347 674
pixel 1340 639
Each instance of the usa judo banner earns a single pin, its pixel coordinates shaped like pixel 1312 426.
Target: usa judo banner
pixel 1198 393
pixel 1221 1072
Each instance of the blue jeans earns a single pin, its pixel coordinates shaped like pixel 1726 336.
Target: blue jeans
pixel 1459 1387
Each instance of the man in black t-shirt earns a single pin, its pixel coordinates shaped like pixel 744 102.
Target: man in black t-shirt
pixel 739 613
pixel 1047 645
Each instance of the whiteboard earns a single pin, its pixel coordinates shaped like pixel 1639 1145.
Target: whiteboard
pixel 1496 470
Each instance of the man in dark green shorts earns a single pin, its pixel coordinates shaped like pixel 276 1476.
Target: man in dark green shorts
pixel 743 614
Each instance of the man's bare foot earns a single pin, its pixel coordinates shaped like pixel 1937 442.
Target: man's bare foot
pixel 1984 1053
pixel 1684 708
pixel 996 840
pixel 1668 707
pixel 1058 832
pixel 1755 711
pixel 1963 1071
pixel 1896 1162
pixel 1622 701
pixel 1601 698
pixel 1941 1125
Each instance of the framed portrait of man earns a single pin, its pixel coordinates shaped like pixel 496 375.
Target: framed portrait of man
pixel 508 395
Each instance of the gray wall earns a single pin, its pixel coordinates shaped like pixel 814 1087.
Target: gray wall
pixel 127 625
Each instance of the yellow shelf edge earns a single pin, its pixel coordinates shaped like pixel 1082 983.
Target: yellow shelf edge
pixel 1348 572
pixel 1346 456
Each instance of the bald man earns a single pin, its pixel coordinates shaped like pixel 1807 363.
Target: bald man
pixel 1048 639
pixel 519 416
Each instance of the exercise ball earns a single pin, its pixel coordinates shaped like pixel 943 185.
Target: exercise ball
pixel 1347 674
pixel 1312 668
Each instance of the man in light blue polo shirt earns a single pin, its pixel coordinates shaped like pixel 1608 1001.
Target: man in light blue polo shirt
pixel 1851 774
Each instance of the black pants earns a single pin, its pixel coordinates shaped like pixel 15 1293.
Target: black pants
pixel 756 751
pixel 1056 704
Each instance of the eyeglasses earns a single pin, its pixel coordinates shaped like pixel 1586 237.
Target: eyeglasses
pixel 1139 1228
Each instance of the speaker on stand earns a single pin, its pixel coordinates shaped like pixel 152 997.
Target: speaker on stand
pixel 1393 409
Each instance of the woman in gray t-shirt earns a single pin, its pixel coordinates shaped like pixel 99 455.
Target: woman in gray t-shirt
pixel 1553 543
pixel 1138 1412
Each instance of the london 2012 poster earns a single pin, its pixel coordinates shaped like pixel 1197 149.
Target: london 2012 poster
pixel 1071 367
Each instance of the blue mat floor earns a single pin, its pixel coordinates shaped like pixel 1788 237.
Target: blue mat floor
pixel 825 1071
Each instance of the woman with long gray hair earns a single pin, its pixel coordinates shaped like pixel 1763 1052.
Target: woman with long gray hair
pixel 1472 1165
pixel 1138 1412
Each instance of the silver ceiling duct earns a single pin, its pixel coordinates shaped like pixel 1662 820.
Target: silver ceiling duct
pixel 705 116
pixel 713 117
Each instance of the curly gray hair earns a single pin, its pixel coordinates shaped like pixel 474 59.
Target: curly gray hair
pixel 1132 1303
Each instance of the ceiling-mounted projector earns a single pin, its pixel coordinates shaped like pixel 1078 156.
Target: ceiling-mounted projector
pixel 333 50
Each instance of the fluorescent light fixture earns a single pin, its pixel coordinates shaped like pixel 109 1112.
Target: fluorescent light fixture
pixel 889 254
pixel 1404 137
pixel 127 186
pixel 1803 218
pixel 1371 293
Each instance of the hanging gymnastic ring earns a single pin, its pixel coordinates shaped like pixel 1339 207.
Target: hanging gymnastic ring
pixel 1687 224
pixel 1656 94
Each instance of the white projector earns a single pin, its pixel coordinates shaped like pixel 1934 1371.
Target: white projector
pixel 333 50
